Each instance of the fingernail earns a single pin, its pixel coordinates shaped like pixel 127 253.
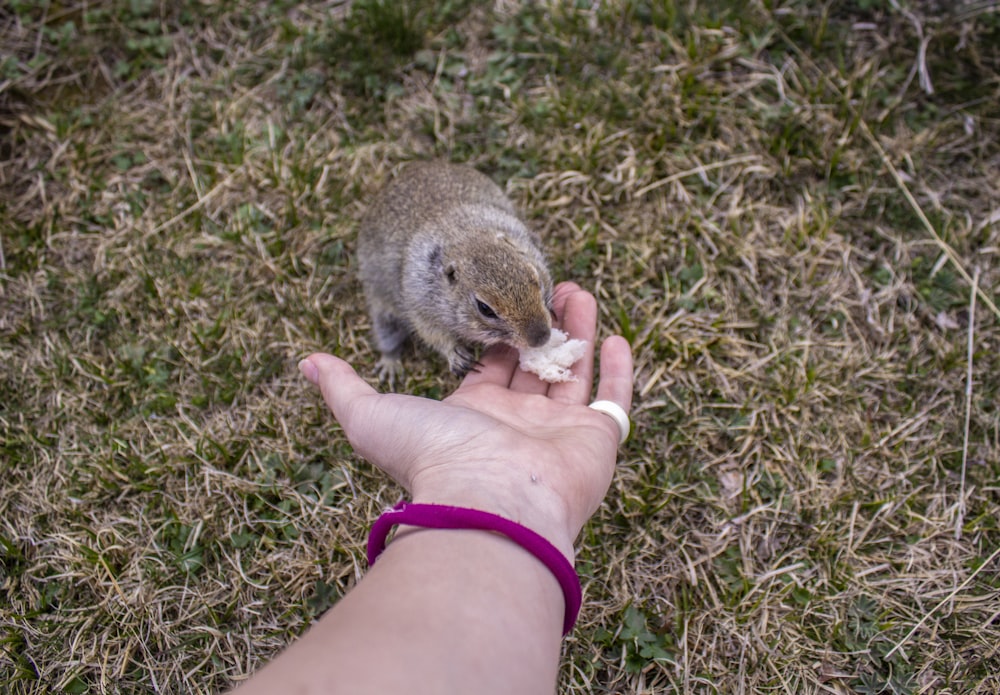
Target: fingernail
pixel 309 371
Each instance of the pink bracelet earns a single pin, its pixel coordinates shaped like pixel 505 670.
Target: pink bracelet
pixel 445 517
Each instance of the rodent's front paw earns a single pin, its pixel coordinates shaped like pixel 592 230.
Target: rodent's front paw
pixel 462 360
pixel 388 368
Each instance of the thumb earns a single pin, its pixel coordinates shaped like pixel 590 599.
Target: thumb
pixel 340 385
pixel 368 418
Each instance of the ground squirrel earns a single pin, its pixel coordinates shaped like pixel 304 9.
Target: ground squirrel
pixel 442 254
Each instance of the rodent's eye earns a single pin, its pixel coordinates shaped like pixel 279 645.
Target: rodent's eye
pixel 485 309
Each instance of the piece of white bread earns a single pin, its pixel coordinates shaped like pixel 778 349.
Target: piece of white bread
pixel 552 361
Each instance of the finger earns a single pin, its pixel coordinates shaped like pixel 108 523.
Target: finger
pixel 525 382
pixel 496 366
pixel 338 382
pixel 576 314
pixel 562 292
pixel 615 383
pixel 367 417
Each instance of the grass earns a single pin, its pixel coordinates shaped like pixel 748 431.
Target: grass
pixel 785 206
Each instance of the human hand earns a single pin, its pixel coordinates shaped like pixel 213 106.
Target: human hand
pixel 505 441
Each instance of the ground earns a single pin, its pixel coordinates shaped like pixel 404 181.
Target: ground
pixel 791 209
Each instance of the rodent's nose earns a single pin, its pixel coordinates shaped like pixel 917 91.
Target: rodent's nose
pixel 538 334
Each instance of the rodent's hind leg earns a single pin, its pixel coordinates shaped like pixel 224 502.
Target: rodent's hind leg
pixel 391 333
pixel 462 360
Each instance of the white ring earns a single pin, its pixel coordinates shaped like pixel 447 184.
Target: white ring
pixel 616 413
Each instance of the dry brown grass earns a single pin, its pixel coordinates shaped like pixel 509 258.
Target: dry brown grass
pixel 785 209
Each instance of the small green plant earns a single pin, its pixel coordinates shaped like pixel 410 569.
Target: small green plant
pixel 636 642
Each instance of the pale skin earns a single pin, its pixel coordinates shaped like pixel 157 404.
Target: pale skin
pixel 445 611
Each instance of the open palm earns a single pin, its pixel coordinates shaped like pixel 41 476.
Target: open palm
pixel 504 441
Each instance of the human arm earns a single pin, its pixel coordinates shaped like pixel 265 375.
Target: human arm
pixel 446 611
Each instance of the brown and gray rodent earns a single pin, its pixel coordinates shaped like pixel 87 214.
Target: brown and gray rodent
pixel 443 255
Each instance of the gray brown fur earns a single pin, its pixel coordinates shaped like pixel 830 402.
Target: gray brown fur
pixel 435 243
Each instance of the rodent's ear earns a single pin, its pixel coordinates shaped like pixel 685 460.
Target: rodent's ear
pixel 435 259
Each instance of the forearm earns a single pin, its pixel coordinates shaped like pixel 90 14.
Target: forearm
pixel 440 612
pixel 463 611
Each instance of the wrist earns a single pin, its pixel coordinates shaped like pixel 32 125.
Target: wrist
pixel 540 512
pixel 462 520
